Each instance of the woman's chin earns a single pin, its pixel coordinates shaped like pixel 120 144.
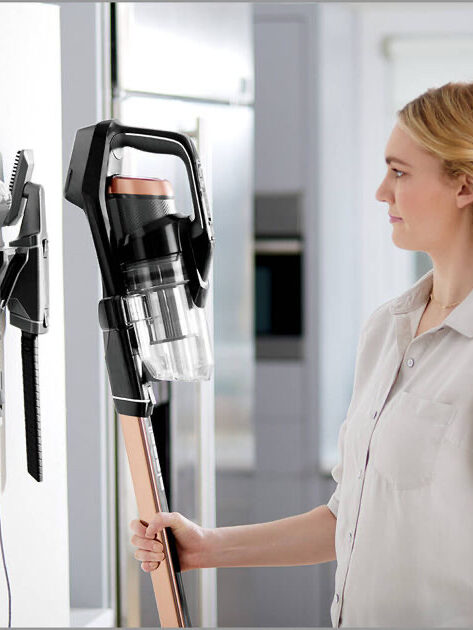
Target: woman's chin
pixel 404 243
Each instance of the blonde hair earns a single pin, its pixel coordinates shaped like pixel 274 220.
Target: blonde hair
pixel 441 120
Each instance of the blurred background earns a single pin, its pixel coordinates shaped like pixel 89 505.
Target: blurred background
pixel 290 105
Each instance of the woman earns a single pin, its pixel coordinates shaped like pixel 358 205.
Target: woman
pixel 400 522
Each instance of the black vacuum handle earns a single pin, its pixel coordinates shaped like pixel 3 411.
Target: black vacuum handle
pixel 180 145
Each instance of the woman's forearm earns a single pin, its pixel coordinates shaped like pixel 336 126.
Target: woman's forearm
pixel 307 538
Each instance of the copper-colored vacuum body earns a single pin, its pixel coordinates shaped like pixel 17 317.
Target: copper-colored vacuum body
pixel 120 185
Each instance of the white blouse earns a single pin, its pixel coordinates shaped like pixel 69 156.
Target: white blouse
pixel 404 495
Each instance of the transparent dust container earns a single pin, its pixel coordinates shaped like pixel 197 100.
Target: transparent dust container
pixel 172 333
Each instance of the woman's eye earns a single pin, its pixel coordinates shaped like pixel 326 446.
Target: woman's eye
pixel 397 172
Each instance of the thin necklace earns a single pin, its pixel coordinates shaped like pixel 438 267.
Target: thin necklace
pixel 440 304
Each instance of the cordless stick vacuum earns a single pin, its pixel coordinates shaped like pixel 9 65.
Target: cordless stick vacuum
pixel 155 264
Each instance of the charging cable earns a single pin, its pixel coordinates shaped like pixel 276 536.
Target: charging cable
pixel 6 575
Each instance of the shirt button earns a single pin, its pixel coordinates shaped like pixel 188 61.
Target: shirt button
pixel 375 415
pixel 337 597
pixel 350 536
pixel 360 474
pixel 410 362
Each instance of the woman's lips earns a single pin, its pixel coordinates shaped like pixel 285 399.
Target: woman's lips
pixel 393 219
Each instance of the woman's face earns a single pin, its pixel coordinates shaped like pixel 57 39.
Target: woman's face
pixel 420 194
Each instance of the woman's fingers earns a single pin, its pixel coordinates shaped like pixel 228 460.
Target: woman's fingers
pixel 159 521
pixel 149 566
pixel 138 527
pixel 149 549
pixel 149 556
pixel 146 543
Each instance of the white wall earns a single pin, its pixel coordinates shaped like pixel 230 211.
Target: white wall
pixel 34 515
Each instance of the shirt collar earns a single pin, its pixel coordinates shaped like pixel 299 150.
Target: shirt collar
pixel 460 319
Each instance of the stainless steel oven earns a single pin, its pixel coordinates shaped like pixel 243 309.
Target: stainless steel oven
pixel 278 277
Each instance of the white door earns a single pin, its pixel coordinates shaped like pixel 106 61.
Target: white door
pixel 34 521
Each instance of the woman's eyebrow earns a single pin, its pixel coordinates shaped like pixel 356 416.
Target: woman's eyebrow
pixel 392 158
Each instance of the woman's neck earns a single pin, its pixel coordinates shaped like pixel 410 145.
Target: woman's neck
pixel 452 278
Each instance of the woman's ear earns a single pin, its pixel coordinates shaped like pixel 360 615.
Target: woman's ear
pixel 464 190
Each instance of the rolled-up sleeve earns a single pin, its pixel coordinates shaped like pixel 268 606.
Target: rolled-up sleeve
pixel 337 471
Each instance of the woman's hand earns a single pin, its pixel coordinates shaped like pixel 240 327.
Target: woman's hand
pixel 189 541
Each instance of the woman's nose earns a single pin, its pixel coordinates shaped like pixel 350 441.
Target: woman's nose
pixel 383 193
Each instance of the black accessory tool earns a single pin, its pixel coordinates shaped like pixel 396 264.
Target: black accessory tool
pixel 24 289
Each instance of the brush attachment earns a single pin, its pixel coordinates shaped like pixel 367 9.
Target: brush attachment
pixel 21 173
